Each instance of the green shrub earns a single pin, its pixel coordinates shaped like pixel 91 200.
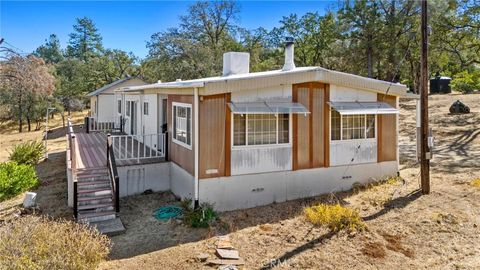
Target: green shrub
pixel 28 152
pixel 466 82
pixel 335 217
pixel 33 242
pixel 16 178
pixel 201 217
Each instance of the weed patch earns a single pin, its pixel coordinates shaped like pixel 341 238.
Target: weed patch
pixel 475 183
pixel 202 217
pixel 335 217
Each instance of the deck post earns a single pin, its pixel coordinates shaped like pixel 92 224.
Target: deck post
pixel 75 198
pixel 87 124
pixel 117 194
pixel 165 145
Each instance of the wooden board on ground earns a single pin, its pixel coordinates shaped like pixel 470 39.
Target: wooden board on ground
pixel 228 253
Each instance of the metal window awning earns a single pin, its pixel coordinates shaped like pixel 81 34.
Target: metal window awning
pixel 349 108
pixel 267 107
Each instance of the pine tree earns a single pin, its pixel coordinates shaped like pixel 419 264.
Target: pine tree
pixel 85 41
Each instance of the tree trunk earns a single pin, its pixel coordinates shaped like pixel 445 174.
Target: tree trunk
pixel 29 124
pixel 63 119
pixel 20 114
pixel 370 61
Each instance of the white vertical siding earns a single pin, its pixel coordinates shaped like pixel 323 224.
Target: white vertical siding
pixel 341 93
pixel 105 108
pixel 281 92
pixel 353 152
pixel 261 159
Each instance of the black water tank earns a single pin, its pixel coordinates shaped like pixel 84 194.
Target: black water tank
pixel 440 85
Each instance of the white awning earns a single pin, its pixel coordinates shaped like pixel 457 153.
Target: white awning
pixel 349 108
pixel 267 107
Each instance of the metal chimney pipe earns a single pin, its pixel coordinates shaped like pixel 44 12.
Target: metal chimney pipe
pixel 289 54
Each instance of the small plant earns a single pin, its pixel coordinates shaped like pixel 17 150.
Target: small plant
pixel 15 179
pixel 476 183
pixel 33 242
pixel 201 217
pixel 335 217
pixel 28 152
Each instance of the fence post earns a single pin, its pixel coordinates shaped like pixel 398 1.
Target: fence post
pixel 108 146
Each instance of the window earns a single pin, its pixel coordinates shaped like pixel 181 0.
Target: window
pixel 145 108
pixel 261 129
pixel 127 110
pixel 119 106
pixel 182 124
pixel 352 127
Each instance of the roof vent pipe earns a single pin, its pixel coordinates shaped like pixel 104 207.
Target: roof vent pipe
pixel 289 54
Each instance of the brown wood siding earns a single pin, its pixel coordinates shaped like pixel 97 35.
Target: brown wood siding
pixel 387 132
pixel 326 127
pixel 318 116
pixel 308 131
pixel 212 136
pixel 178 154
pixel 228 136
pixel 303 130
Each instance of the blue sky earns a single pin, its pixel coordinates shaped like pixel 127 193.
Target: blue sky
pixel 125 25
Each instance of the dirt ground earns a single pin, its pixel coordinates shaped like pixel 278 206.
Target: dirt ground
pixel 404 229
pixel 52 196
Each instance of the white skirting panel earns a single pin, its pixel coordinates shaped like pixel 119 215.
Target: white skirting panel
pixel 136 179
pixel 246 191
pixel 182 183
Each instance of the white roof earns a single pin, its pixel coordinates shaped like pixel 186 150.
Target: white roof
pixel 257 80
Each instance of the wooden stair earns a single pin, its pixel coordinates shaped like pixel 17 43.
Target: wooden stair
pixel 94 196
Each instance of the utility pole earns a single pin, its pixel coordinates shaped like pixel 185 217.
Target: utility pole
pixel 425 151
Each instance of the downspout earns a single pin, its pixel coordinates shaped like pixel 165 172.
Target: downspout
pixel 196 144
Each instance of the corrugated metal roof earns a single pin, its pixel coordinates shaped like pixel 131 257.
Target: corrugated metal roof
pixel 108 86
pixel 258 80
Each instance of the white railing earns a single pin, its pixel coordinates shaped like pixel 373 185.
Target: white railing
pixel 136 147
pixel 93 125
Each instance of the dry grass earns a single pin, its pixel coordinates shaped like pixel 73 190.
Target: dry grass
pixel 335 217
pixel 374 250
pixel 39 243
pixel 394 243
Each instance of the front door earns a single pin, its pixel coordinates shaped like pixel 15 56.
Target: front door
pixel 133 118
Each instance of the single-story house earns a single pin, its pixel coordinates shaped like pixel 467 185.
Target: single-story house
pixel 246 139
pixel 102 106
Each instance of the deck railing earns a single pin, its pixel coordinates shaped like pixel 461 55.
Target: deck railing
pixel 112 171
pixel 136 147
pixel 72 164
pixel 93 125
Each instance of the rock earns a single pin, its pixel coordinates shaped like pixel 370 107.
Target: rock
pixel 203 257
pixel 30 200
pixel 227 267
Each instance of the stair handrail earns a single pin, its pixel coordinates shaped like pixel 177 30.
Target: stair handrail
pixel 113 173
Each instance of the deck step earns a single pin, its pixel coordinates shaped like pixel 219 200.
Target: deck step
pixel 94 198
pixel 95 182
pixel 93 216
pixel 92 175
pixel 109 227
pixel 94 206
pixel 94 190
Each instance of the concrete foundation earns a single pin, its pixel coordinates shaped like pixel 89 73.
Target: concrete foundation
pixel 246 191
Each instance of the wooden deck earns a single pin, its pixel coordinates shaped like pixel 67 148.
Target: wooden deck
pixel 92 151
